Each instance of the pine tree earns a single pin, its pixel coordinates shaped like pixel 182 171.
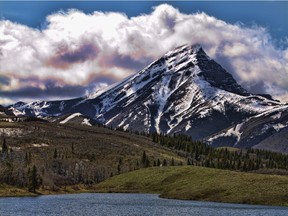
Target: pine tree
pixel 72 148
pixel 55 153
pixel 158 162
pixel 165 162
pixel 34 181
pixel 172 162
pixel 119 166
pixel 4 147
pixel 145 160
pixel 26 159
pixel 147 164
pixel 245 166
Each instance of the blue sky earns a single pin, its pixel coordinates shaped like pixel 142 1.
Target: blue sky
pixel 270 14
pixel 48 51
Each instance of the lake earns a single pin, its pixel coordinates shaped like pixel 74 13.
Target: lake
pixel 126 204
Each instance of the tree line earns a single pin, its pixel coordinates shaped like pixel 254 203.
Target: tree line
pixel 67 166
pixel 201 154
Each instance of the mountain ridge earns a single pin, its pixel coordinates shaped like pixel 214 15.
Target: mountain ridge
pixel 184 91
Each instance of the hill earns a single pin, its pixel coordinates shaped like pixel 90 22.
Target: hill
pixel 72 154
pixel 199 183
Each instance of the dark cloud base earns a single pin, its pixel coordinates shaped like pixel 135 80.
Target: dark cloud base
pixel 64 58
pixel 51 91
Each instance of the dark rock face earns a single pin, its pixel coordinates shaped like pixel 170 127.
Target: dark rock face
pixel 217 76
pixel 5 112
pixel 182 92
pixel 267 130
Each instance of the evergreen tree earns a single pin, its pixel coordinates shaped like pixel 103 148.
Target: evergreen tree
pixel 145 160
pixel 245 166
pixel 26 159
pixel 165 162
pixel 34 181
pixel 154 163
pixel 144 157
pixel 172 162
pixel 119 165
pixel 55 153
pixel 4 147
pixel 72 148
pixel 158 162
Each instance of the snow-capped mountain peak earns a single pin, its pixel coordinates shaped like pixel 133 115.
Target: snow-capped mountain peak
pixel 184 91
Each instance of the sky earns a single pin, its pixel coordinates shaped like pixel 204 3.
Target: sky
pixel 60 50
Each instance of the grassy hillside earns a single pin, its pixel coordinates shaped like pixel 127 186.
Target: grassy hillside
pixel 55 158
pixel 70 154
pixel 8 190
pixel 199 183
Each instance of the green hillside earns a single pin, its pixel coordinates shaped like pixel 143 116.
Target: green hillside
pixel 199 183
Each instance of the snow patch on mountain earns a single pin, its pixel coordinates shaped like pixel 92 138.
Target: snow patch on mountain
pixel 276 116
pixel 162 94
pixel 112 119
pixel 279 126
pixel 86 122
pixel 233 131
pixel 70 118
pixel 17 112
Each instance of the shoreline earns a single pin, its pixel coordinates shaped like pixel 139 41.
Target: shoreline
pixel 11 191
pixel 123 192
pixel 202 184
pixel 182 183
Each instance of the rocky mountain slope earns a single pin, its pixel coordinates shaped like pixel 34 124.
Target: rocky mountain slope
pixel 184 91
pixel 4 112
pixel 267 130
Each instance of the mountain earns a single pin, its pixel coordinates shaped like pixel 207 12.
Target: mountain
pixel 267 130
pixel 184 91
pixel 4 112
pixel 44 109
pixel 75 118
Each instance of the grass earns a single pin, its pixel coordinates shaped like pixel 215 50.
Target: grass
pixel 199 183
pixel 11 191
pixel 96 149
pixel 230 149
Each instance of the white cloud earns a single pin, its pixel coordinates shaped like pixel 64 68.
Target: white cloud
pixel 6 101
pixel 76 47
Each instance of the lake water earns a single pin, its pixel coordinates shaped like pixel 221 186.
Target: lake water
pixel 126 204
